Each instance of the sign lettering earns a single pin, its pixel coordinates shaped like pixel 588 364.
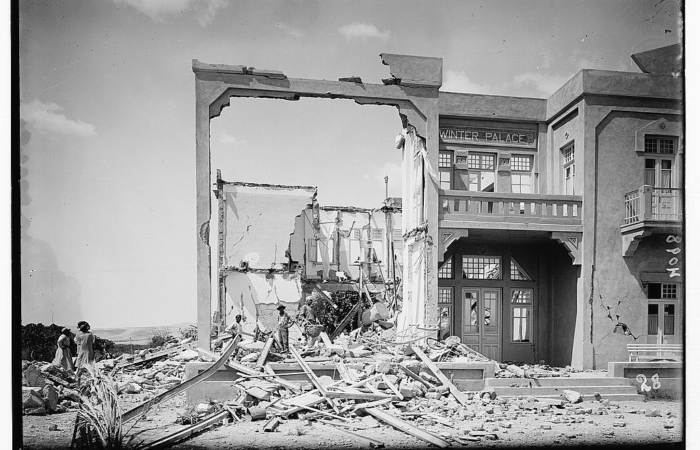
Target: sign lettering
pixel 673 271
pixel 510 137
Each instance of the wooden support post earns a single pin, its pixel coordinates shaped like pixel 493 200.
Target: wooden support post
pixel 459 395
pixel 406 427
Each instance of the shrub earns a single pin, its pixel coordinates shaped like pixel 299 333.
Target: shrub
pixel 159 336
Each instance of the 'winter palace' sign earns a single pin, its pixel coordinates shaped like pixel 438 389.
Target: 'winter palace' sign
pixel 520 138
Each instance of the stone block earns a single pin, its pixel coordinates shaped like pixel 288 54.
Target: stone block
pixel 32 398
pixel 34 377
pixel 50 398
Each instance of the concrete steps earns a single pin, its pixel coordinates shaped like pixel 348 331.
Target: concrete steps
pixel 613 389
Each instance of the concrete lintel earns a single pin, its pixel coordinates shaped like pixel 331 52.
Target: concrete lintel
pixel 630 241
pixel 572 242
pixel 418 71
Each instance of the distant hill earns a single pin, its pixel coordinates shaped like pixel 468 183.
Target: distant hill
pixel 137 335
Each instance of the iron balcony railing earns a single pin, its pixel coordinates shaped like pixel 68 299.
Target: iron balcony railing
pixel 555 209
pixel 653 204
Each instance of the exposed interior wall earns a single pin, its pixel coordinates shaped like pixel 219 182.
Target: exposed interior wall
pixel 255 296
pixel 259 222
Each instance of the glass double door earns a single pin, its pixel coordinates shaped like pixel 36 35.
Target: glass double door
pixel 481 321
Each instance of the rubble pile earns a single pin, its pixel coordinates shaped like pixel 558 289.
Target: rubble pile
pixel 381 379
pixel 47 389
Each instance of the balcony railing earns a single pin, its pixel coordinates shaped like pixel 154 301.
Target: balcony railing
pixel 526 208
pixel 653 204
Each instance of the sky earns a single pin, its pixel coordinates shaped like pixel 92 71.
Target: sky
pixel 108 230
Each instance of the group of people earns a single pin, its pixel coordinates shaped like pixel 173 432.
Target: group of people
pixel 306 317
pixel 84 340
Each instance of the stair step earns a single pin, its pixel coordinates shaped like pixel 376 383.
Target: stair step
pixel 591 398
pixel 551 390
pixel 558 381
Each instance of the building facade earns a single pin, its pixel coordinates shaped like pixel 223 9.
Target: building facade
pixel 561 218
pixel 534 229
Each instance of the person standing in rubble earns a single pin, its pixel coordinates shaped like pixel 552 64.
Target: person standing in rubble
pixel 283 324
pixel 235 327
pixel 63 357
pixel 86 354
pixel 308 318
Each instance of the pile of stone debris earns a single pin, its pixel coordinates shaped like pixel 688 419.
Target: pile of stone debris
pixel 47 389
pixel 380 380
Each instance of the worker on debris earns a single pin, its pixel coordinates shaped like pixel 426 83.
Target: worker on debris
pixel 235 327
pixel 283 324
pixel 63 357
pixel 86 354
pixel 307 317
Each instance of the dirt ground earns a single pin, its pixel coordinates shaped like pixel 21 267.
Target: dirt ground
pixel 514 427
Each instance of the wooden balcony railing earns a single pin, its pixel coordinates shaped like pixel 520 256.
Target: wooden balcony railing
pixel 525 208
pixel 653 204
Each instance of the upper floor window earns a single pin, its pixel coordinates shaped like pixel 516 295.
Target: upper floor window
pixel 521 174
pixel 377 234
pixel 482 172
pixel 445 167
pixel 568 169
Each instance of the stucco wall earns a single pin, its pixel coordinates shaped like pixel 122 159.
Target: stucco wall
pixel 618 285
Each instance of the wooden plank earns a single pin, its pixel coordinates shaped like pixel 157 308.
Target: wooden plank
pixel 406 427
pixel 459 395
pixel 392 387
pixel 383 401
pixel 412 375
pixel 359 396
pixel 324 413
pixel 143 407
pixel 272 424
pixel 305 367
pixel 248 371
pixel 152 356
pixel 307 401
pixel 357 437
pixel 326 340
pixel 181 435
pixel 345 374
pixel 366 380
pixel 346 320
pixel 265 351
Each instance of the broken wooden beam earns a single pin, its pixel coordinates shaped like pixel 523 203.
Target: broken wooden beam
pixel 346 320
pixel 359 396
pixel 414 376
pixel 151 356
pixel 181 435
pixel 143 407
pixel 272 424
pixel 358 437
pixel 383 401
pixel 459 395
pixel 309 373
pixel 265 351
pixel 406 427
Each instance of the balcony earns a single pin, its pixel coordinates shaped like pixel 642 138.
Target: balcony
pixel 650 210
pixel 506 211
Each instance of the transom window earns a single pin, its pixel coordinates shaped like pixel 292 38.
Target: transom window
pixel 398 235
pixel 660 145
pixel 356 234
pixel 568 153
pixel 377 234
pixel 481 267
pixel 445 160
pixel 517 273
pixel 662 290
pixel 445 270
pixel 481 161
pixel 521 163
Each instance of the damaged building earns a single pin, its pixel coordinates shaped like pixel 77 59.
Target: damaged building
pixel 532 229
